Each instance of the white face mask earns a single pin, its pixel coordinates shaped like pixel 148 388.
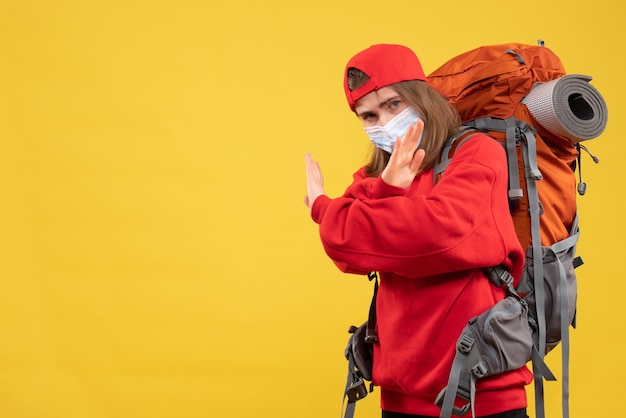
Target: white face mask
pixel 384 137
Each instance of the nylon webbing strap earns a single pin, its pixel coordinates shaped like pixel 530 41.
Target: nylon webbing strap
pixel 462 379
pixel 499 276
pixel 448 151
pixel 565 245
pixel 537 255
pixel 515 191
pixel 541 365
pixel 442 164
pixel 564 341
pixel 458 365
pixel 355 389
pixel 531 157
pixel 370 332
pixel 461 384
pixel 568 242
pixel 350 410
pixel 509 126
pixel 351 379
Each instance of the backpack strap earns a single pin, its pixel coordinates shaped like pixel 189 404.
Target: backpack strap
pixel 517 133
pixel 461 383
pixel 511 127
pixel 535 210
pixel 355 381
pixel 537 252
pixel 565 340
pixel 467 367
pixel 531 142
pixel 449 148
pixel 370 335
pixel 355 385
pixel 566 244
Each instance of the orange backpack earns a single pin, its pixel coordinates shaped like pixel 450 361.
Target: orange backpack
pixel 521 96
pixel 491 81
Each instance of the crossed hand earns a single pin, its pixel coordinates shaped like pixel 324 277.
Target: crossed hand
pixel 401 170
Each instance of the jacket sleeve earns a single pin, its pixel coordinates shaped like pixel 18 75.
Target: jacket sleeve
pixel 461 223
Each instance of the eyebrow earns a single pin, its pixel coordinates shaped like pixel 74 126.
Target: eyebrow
pixel 381 104
pixel 386 102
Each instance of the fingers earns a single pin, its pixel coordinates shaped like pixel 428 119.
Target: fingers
pixel 405 147
pixel 413 135
pixel 314 180
pixel 313 171
pixel 406 159
pixel 417 160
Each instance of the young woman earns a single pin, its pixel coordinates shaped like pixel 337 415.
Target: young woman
pixel 429 243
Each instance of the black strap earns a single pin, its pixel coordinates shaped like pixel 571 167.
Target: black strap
pixel 355 387
pixel 370 334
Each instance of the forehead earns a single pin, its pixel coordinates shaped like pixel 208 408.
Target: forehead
pixel 372 100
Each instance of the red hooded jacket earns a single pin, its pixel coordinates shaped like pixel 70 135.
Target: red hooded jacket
pixel 430 244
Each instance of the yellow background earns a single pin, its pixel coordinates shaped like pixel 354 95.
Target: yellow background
pixel 156 259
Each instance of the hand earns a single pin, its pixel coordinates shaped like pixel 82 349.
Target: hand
pixel 314 181
pixel 405 161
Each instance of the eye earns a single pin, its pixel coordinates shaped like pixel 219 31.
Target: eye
pixel 393 105
pixel 368 117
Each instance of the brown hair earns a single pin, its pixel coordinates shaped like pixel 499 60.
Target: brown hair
pixel 441 120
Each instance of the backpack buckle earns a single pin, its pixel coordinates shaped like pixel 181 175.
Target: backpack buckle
pixel 357 391
pixel 500 277
pixel 456 410
pixel 370 336
pixel 480 370
pixel 465 343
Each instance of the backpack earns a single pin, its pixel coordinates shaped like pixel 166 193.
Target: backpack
pixel 521 96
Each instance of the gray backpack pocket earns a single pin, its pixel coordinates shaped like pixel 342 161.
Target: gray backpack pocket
pixel 496 341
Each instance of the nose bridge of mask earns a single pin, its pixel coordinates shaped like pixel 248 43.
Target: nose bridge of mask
pixel 400 123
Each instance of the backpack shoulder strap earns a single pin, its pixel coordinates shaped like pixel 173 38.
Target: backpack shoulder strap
pixel 513 129
pixel 449 148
